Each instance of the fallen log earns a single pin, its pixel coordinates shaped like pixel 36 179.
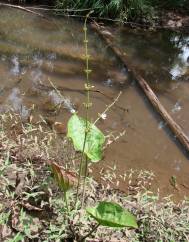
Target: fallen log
pixel 176 129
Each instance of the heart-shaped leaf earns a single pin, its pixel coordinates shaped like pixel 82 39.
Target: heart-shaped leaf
pixel 94 140
pixel 112 215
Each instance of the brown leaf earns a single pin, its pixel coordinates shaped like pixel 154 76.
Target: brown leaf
pixel 60 128
pixel 19 224
pixel 15 219
pixel 20 182
pixel 30 207
pixel 65 179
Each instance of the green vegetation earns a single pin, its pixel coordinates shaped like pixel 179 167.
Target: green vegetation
pixel 94 140
pixel 89 140
pixel 121 9
pixel 173 4
pixel 33 208
pixel 143 11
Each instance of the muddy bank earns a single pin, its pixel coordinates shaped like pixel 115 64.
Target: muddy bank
pixel 175 21
pixel 175 18
pixel 31 204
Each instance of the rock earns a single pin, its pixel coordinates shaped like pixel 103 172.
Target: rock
pixel 171 23
pixel 48 106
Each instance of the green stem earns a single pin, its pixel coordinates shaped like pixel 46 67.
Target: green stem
pixel 80 169
pixel 87 106
pixel 84 182
pixel 66 202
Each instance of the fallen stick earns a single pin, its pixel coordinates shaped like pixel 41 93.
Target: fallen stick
pixel 176 129
pixel 21 8
pixel 48 88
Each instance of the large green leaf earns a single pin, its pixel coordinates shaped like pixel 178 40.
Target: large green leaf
pixel 112 215
pixel 94 141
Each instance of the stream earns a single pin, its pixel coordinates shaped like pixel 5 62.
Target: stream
pixel 35 52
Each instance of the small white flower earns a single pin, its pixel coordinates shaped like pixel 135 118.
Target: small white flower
pixel 72 111
pixel 103 116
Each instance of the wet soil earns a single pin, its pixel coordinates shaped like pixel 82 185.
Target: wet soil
pixel 174 20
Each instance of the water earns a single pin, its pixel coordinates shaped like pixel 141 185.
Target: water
pixel 36 52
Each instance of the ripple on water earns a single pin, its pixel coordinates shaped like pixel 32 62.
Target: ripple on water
pixel 15 66
pixel 177 107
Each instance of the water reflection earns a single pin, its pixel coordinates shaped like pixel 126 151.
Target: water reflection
pixel 108 82
pixel 66 101
pixel 37 59
pixel 15 68
pixel 161 57
pixel 177 107
pixel 14 102
pixel 161 125
pixel 36 76
pixel 181 63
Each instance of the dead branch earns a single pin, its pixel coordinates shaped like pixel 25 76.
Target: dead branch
pixel 80 90
pixel 21 8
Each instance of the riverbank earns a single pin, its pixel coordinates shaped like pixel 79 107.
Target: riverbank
pixel 37 50
pixel 32 207
pixel 136 14
pixel 35 55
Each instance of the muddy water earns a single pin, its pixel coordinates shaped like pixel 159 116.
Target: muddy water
pixel 35 51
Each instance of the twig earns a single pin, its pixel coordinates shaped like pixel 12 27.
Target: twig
pixel 184 185
pixel 108 108
pixel 126 23
pixel 45 87
pixel 55 88
pixel 87 235
pixel 61 9
pixel 109 142
pixel 21 8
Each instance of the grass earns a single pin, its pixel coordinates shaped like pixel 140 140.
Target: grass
pixel 142 11
pixel 32 206
pixel 134 10
pixel 118 9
